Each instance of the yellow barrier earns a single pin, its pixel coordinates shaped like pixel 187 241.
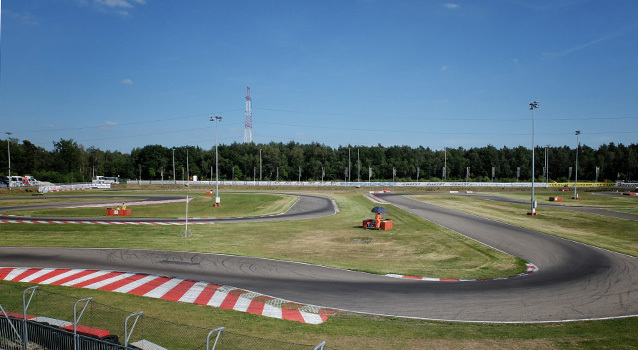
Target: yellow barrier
pixel 584 184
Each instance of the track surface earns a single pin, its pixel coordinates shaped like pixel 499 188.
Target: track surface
pixel 307 207
pixel 582 209
pixel 575 281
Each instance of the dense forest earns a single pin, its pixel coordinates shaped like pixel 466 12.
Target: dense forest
pixel 71 162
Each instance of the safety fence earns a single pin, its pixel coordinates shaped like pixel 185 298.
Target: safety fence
pixel 71 187
pixel 539 184
pixel 36 319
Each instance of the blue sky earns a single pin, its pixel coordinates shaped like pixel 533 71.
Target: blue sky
pixel 119 74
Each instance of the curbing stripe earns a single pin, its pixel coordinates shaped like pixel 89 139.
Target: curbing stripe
pixel 173 289
pixel 94 222
pixel 178 291
pixel 61 276
pixel 218 298
pixel 144 289
pixel 116 276
pixel 80 282
pixel 191 295
pixel 133 285
pixel 531 268
pixel 15 273
pixel 164 288
pixel 117 284
pixel 206 295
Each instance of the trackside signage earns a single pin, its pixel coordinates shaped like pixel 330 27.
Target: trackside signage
pixel 45 189
pixel 75 187
pixel 343 184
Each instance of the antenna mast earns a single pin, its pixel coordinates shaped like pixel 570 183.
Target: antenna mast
pixel 248 129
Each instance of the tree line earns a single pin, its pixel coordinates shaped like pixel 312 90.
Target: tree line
pixel 72 162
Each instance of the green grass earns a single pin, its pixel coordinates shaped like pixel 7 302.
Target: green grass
pixel 600 231
pixel 413 247
pixel 342 331
pixel 588 199
pixel 423 249
pixel 628 211
pixel 201 205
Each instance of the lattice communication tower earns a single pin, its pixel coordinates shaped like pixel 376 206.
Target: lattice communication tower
pixel 248 128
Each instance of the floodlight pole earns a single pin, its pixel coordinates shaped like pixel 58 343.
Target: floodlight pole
pixel 546 167
pixel 217 198
pixel 9 155
pixel 445 164
pixel 349 179
pixel 576 178
pixel 358 168
pixel 533 106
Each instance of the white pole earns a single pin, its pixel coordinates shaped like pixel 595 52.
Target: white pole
pixel 576 178
pixel 532 106
pixel 186 214
pixel 9 155
pixel 358 167
pixel 217 198
pixel 349 179
pixel 445 166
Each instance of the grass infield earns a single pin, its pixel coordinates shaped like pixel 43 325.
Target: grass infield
pixel 605 232
pixel 351 331
pixel 200 205
pixel 413 247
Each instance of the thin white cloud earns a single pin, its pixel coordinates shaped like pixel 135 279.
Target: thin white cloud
pixel 551 5
pixel 515 61
pixel 444 68
pixel 585 45
pixel 114 3
pixel 451 6
pixel 571 49
pixel 127 81
pixel 24 17
pixel 108 124
pixel 120 7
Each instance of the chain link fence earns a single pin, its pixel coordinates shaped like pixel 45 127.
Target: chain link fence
pixel 57 321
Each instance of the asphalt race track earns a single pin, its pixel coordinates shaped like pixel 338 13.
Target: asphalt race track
pixel 574 281
pixel 306 207
pixel 582 209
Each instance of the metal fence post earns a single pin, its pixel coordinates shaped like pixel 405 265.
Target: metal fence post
pixel 219 333
pixel 10 323
pixel 127 334
pixel 25 307
pixel 320 346
pixel 76 319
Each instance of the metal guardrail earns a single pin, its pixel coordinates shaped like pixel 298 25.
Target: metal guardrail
pixel 540 184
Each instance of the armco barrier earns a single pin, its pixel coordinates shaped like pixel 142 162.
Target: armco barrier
pixel 342 184
pixel 46 189
pixel 385 184
pixel 74 187
pixel 585 184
